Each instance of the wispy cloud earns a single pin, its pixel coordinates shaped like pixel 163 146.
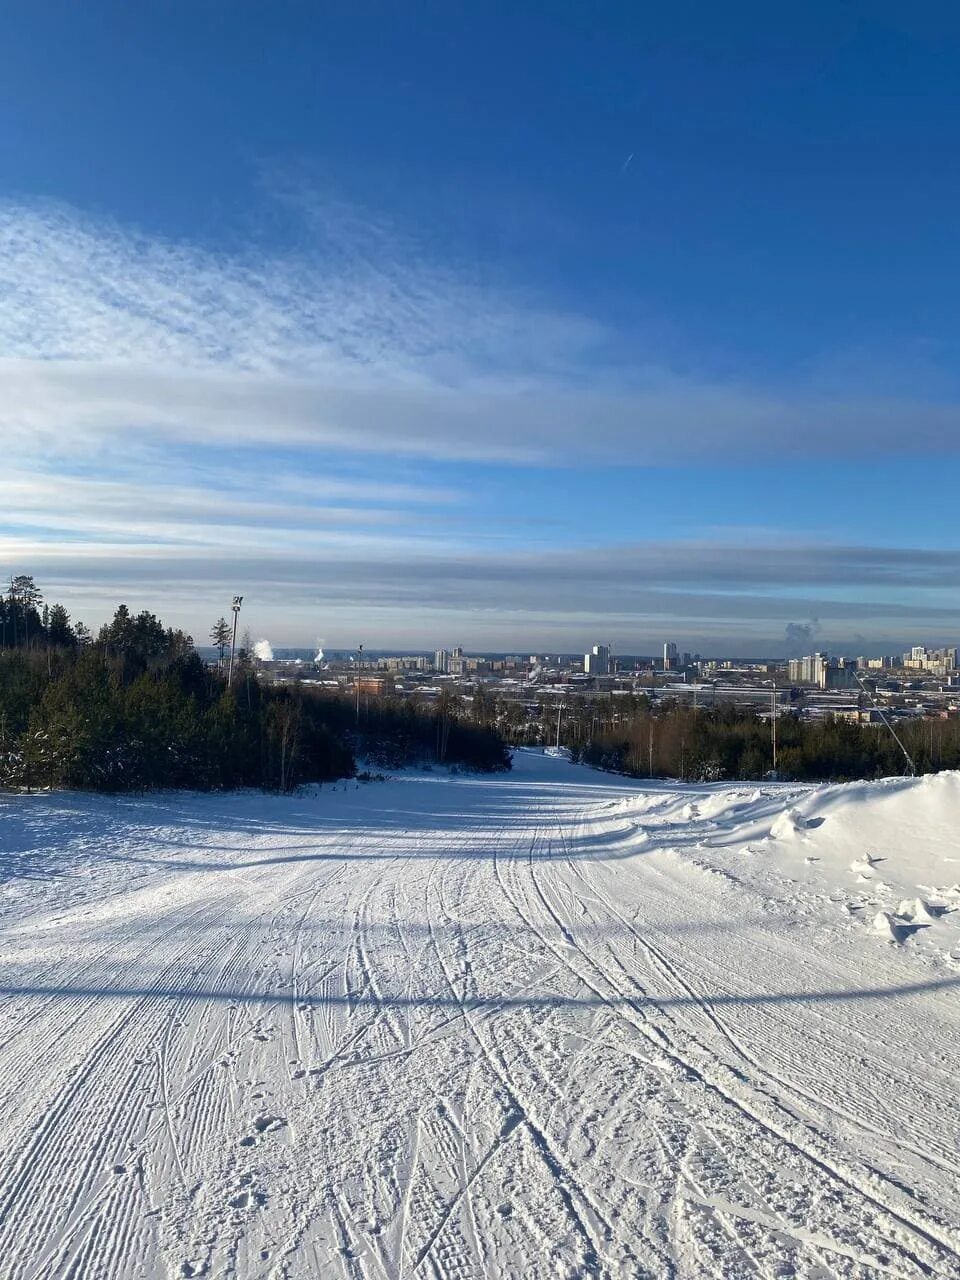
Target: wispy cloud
pixel 362 344
pixel 154 393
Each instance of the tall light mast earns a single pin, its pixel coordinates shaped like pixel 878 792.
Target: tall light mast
pixel 237 602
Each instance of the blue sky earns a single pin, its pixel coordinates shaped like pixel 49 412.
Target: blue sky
pixel 507 325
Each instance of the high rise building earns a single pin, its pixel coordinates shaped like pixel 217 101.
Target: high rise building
pixel 597 661
pixel 937 661
pixel 441 661
pixel 808 670
pixel 824 672
pixel 670 654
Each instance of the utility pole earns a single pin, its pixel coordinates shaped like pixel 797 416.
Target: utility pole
pixel 237 602
pixel 559 714
pixel 359 675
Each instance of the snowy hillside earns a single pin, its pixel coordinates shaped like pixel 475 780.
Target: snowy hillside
pixel 553 1023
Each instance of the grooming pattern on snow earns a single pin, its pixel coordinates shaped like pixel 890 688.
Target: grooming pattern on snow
pixel 548 1024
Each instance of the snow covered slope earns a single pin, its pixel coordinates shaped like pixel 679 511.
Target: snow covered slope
pixel 547 1024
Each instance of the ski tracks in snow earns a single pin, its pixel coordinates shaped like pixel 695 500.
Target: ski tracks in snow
pixel 452 1028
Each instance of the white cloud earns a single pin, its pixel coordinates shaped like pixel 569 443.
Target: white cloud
pixel 153 394
pixel 366 346
pixel 177 511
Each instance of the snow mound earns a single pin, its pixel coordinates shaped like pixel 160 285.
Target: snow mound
pixel 788 824
pixel 887 927
pixel 864 866
pixel 917 911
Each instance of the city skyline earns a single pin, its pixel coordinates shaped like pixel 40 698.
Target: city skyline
pixel 476 325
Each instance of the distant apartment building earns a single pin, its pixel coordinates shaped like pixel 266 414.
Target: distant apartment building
pixel 824 672
pixel 840 674
pixel 597 661
pixel 670 655
pixel 886 662
pixel 412 663
pixel 441 661
pixel 936 661
pixel 807 670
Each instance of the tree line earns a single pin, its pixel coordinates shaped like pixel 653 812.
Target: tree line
pixel 136 708
pixel 412 730
pixel 670 740
pixel 630 734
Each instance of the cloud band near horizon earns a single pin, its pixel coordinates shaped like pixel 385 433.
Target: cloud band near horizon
pixel 150 388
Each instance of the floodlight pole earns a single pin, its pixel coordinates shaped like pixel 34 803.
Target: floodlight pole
pixel 237 602
pixel 359 675
pixel 559 714
pixel 773 719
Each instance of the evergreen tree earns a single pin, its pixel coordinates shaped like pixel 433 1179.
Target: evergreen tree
pixel 59 630
pixel 220 635
pixel 24 598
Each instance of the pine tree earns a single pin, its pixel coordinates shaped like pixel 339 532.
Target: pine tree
pixel 24 599
pixel 220 635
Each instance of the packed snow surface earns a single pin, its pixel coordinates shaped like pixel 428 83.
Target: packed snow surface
pixel 551 1023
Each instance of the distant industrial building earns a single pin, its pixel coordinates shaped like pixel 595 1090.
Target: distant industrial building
pixel 374 686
